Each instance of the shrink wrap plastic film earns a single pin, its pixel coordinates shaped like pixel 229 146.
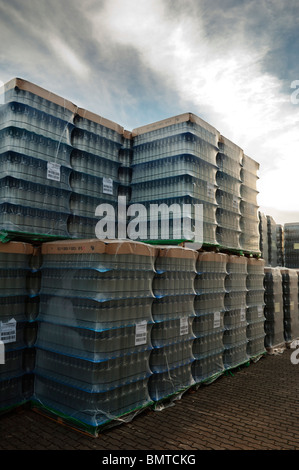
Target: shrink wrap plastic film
pixel 209 322
pixel 290 304
pixel 235 334
pixel 228 213
pixel 58 163
pixel 17 327
pixel 291 245
pixel 173 313
pixel 274 314
pixel 94 337
pixel 120 325
pixel 255 307
pixel 174 162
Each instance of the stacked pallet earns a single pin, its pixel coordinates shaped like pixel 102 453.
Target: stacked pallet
pixel 35 152
pixel 255 307
pixel 235 334
pixel 94 335
pixel 17 333
pixel 173 314
pixel 290 304
pixel 274 313
pixel 228 213
pixel 95 163
pixel 208 326
pixel 272 241
pixel 263 231
pixel 174 163
pixel 291 242
pixel 249 239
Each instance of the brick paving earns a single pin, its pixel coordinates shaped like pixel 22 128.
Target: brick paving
pixel 252 408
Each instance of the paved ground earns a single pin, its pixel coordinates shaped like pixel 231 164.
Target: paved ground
pixel 256 408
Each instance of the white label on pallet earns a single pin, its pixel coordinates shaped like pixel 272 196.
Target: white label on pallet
pixel 216 319
pixel 260 311
pixel 2 353
pixel 107 186
pixel 8 331
pixel 184 326
pixel 243 314
pixel 277 307
pixel 235 202
pixel 141 333
pixel 210 190
pixel 53 171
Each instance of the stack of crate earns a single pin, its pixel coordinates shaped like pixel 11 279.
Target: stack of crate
pixel 94 329
pixel 173 314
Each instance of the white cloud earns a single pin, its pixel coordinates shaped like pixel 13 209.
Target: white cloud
pixel 68 56
pixel 226 84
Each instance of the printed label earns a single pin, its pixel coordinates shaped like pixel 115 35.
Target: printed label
pixel 210 190
pixel 2 353
pixel 235 202
pixel 296 246
pixel 141 333
pixel 243 314
pixel 292 305
pixel 53 171
pixel 260 311
pixel 184 326
pixel 8 331
pixel 107 186
pixel 216 319
pixel 277 307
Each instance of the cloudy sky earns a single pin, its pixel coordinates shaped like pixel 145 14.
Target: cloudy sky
pixel 234 63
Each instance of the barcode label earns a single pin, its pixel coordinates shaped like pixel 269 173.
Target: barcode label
pixel 216 319
pixel 235 202
pixel 53 171
pixel 8 331
pixel 107 186
pixel 243 314
pixel 210 190
pixel 277 307
pixel 141 333
pixel 260 311
pixel 184 329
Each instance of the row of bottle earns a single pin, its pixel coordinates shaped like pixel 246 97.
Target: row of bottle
pixel 250 221
pixel 228 216
pixel 291 245
pixel 18 310
pixel 178 157
pixel 158 339
pixel 281 306
pixel 48 145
